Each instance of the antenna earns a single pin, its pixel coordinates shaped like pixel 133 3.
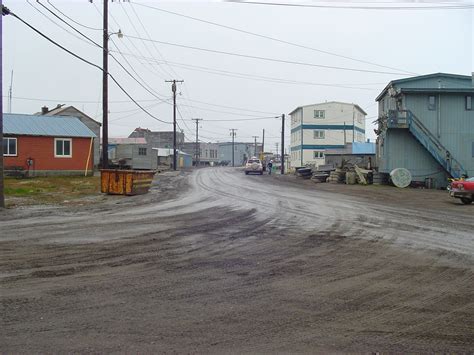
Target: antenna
pixel 10 91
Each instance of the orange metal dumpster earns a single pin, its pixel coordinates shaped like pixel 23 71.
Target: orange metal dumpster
pixel 125 182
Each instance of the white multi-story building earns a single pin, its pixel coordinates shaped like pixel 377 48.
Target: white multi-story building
pixel 329 125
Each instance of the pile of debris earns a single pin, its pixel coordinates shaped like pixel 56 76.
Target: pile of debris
pixel 348 173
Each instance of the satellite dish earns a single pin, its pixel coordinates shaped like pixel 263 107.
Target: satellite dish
pixel 401 177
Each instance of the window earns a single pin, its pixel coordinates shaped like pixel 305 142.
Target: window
pixel 318 113
pixel 63 147
pixel 9 147
pixel 469 103
pixel 432 103
pixel 318 134
pixel 318 154
pixel 141 151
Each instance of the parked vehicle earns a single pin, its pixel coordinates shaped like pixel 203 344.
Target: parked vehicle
pixel 254 165
pixel 463 189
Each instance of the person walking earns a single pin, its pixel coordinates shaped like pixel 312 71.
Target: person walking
pixel 270 166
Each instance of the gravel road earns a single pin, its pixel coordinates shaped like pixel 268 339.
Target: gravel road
pixel 218 262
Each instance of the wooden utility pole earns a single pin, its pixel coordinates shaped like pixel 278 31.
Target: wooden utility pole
pixel 282 159
pixel 173 88
pixel 2 189
pixel 105 88
pixel 263 141
pixel 255 146
pixel 232 133
pixel 197 151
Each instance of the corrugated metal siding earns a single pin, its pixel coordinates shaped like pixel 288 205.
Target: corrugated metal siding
pixel 446 82
pixel 456 128
pixel 54 126
pixel 402 150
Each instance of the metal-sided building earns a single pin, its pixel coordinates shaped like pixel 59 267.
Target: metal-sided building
pixel 208 153
pixel 426 125
pixel 242 152
pixel 135 153
pixel 318 127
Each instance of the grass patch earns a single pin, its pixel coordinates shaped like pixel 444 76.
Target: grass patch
pixel 50 190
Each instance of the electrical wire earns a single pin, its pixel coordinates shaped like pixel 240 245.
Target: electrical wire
pixel 265 58
pixel 71 19
pixel 352 7
pixel 9 12
pixel 273 38
pixel 142 83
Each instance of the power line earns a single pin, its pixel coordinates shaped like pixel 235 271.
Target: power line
pixel 142 84
pixel 356 7
pixel 260 78
pixel 71 19
pixel 274 39
pixel 85 61
pixel 265 58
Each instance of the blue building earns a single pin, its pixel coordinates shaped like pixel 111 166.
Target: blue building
pixel 426 125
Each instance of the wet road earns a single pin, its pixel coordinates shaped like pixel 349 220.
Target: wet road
pixel 235 263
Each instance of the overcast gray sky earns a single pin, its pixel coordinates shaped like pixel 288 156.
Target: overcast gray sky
pixel 417 41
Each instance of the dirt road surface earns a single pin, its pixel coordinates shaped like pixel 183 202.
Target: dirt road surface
pixel 218 262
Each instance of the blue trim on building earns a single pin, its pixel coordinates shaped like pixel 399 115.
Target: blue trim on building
pixel 312 147
pixel 328 127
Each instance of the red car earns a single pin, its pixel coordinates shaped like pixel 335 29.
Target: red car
pixel 463 189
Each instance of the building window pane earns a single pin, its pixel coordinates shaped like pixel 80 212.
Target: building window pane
pixel 63 147
pixel 318 154
pixel 318 134
pixel 141 151
pixel 432 103
pixel 9 146
pixel 318 113
pixel 469 103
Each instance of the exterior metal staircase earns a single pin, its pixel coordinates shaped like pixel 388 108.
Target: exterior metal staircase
pixel 406 119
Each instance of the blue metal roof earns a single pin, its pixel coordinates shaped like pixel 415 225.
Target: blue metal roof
pixel 38 125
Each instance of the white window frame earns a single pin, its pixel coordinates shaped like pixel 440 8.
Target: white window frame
pixel 320 114
pixel 319 134
pixel 16 147
pixel 70 147
pixel 320 154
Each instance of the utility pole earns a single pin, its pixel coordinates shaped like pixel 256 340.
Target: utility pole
pixel 197 151
pixel 173 88
pixel 353 125
pixel 282 159
pixel 255 147
pixel 105 88
pixel 233 134
pixel 263 141
pixel 2 190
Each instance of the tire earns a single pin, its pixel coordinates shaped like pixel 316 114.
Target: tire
pixel 246 173
pixel 261 173
pixel 466 200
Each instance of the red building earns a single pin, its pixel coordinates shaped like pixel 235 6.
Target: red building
pixel 47 145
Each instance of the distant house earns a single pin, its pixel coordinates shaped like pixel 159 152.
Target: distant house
pixel 242 152
pixel 207 154
pixel 426 125
pixel 135 153
pixel 158 139
pixel 47 145
pixel 94 126
pixel 165 158
pixel 319 127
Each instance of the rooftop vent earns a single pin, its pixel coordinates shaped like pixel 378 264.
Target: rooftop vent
pixel 44 110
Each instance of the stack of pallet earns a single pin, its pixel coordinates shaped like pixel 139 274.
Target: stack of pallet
pixel 337 176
